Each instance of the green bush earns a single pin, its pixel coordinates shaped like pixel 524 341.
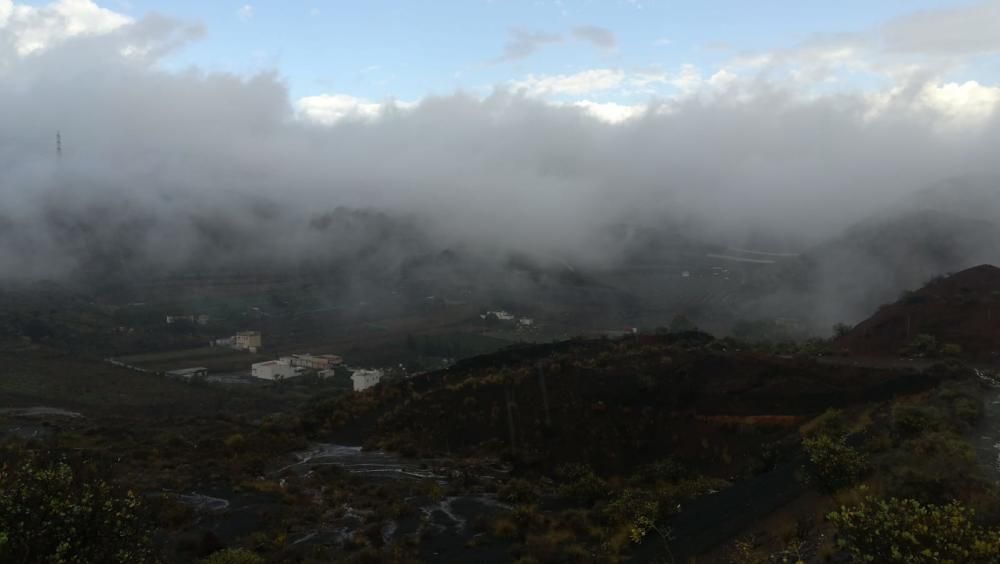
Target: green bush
pixel 906 531
pixel 922 346
pixel 636 509
pixel 662 470
pixel 519 490
pixel 935 467
pixel 49 513
pixel 830 422
pixel 951 350
pixel 833 462
pixel 580 484
pixel 913 419
pixel 234 556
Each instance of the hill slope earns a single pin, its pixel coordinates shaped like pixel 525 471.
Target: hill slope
pixel 961 309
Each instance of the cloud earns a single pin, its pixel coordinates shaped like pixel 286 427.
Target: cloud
pixel 6 9
pixel 521 44
pixel 581 83
pixel 611 112
pixel 331 108
pixel 194 167
pixel 597 36
pixel 908 51
pixel 687 80
pixel 29 29
pixel 245 13
pixel 962 30
pixel 959 106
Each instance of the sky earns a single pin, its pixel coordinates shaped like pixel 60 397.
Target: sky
pixel 612 56
pixel 407 50
pixel 502 126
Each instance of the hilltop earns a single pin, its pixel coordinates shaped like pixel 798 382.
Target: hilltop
pixel 961 309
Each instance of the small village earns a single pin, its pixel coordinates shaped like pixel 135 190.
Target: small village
pixel 326 367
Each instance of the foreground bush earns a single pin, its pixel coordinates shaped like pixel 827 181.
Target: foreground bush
pixel 234 556
pixel 934 468
pixel 580 484
pixel 637 510
pixel 48 513
pixel 834 462
pixel 906 531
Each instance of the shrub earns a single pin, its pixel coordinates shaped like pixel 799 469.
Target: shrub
pixel 745 551
pixel 504 528
pixel 550 546
pixel 904 530
pixel 519 490
pixel 49 513
pixel 637 510
pixel 911 419
pixel 581 484
pixel 235 442
pixel 664 469
pixel 922 346
pixel 833 462
pixel 830 422
pixel 951 350
pixel 234 556
pixel 933 467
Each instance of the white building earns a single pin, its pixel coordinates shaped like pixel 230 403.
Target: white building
pixel 247 340
pixel 364 379
pixel 313 362
pixel 274 370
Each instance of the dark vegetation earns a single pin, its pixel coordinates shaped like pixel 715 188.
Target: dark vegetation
pixel 654 447
pixel 62 511
pixel 951 316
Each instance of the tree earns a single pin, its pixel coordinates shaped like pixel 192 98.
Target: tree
pixel 50 513
pixel 833 461
pixel 907 531
pixel 680 323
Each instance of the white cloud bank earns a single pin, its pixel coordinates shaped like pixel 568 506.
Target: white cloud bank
pixel 726 151
pixel 29 29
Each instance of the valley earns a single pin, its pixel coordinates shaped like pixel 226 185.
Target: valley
pixel 659 445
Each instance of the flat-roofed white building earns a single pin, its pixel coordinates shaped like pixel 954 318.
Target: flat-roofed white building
pixel 364 379
pixel 274 370
pixel 313 362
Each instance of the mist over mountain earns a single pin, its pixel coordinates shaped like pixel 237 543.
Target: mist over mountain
pixel 167 171
pixel 947 227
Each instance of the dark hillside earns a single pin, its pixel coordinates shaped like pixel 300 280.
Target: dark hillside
pixel 617 403
pixel 962 309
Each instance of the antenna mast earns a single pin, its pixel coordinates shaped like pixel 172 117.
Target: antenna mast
pixel 58 144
